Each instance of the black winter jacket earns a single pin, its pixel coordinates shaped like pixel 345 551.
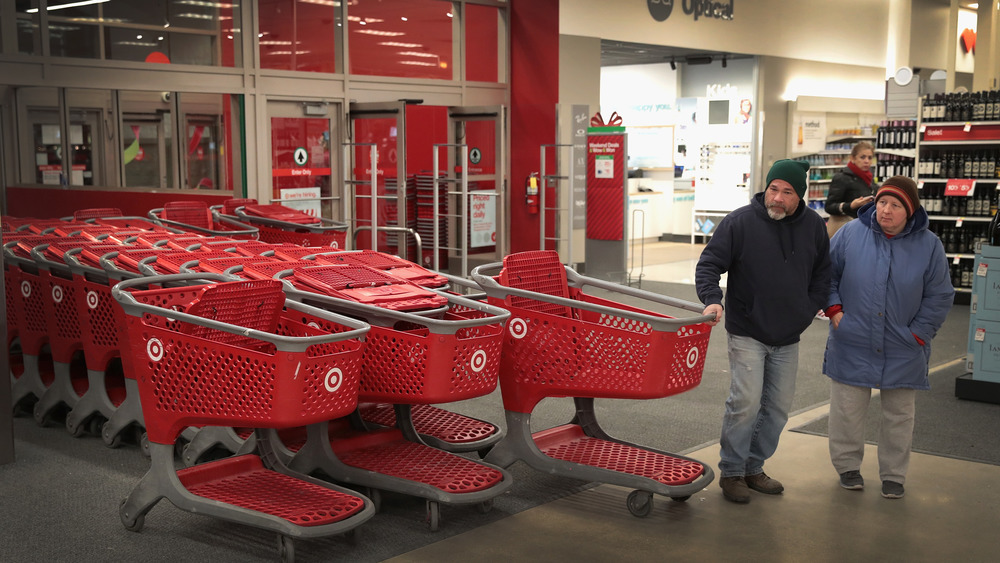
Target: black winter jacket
pixel 845 188
pixel 779 272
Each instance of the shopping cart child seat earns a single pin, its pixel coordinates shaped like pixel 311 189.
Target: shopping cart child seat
pixel 240 354
pixel 562 342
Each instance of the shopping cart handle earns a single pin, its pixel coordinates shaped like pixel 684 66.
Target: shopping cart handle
pixel 241 230
pixel 77 267
pixel 281 342
pixel 494 289
pixel 464 282
pixel 38 254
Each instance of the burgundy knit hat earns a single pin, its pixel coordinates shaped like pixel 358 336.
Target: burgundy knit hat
pixel 904 189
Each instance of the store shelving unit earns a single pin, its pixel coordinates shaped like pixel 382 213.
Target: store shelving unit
pixel 833 159
pixel 959 137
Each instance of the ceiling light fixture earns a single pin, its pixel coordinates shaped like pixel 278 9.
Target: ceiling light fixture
pixel 70 5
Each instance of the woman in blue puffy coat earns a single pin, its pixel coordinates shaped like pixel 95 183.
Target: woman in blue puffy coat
pixel 890 293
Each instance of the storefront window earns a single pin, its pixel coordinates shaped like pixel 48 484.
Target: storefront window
pixel 194 32
pixel 401 38
pixel 212 126
pixel 90 121
pixel 482 32
pixel 147 139
pixel 27 26
pixel 300 34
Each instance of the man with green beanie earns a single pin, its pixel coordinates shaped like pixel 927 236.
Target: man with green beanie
pixel 776 251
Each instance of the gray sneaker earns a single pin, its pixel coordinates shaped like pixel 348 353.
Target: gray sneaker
pixel 892 489
pixel 735 489
pixel 852 480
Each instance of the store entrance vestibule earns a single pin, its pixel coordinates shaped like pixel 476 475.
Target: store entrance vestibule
pixel 419 151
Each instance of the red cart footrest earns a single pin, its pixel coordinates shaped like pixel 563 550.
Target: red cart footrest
pixel 569 443
pixel 243 481
pixel 417 462
pixel 447 426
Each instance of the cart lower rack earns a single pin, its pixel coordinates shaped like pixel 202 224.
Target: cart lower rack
pixel 561 342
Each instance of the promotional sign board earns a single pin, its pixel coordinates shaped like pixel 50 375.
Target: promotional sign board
pixel 606 158
pixel 303 199
pixel 483 220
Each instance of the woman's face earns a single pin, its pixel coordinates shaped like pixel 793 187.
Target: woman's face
pixel 891 215
pixel 863 159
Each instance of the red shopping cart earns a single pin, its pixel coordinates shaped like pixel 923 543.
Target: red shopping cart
pixel 427 349
pixel 196 217
pixel 562 342
pixel 240 354
pixel 282 224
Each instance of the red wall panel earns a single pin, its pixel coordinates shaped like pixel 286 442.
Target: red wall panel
pixel 534 93
pixel 51 203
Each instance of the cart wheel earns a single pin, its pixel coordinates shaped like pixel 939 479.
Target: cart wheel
pixel 142 439
pixel 433 515
pixel 94 425
pixel 680 499
pixel 42 419
pixel 485 507
pixel 640 503
pixel 111 441
pixel 131 525
pixel 75 430
pixel 286 549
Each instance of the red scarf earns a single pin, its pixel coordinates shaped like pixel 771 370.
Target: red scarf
pixel 866 177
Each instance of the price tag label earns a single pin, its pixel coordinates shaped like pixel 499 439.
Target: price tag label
pixel 920 185
pixel 968 127
pixel 923 127
pixel 960 187
pixel 980 334
pixel 958 222
pixel 982 269
pixel 956 260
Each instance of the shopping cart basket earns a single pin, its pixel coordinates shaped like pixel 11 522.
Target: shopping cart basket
pixel 278 224
pixel 413 357
pixel 100 320
pixel 239 353
pixel 561 342
pixel 196 217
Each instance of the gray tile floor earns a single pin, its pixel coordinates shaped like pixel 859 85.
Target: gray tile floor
pixel 949 512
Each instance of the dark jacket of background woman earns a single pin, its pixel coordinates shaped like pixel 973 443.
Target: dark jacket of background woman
pixel 845 188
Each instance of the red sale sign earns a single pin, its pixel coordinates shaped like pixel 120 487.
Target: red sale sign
pixel 960 187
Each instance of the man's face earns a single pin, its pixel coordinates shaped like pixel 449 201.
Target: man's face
pixel 780 199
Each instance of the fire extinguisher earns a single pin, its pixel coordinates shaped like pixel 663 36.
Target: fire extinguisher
pixel 531 193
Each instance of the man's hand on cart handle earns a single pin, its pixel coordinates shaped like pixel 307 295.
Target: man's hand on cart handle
pixel 713 309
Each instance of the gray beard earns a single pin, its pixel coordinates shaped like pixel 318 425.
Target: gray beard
pixel 776 213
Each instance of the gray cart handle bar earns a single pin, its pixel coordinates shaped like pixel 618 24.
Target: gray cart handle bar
pixel 243 230
pixel 282 343
pixel 494 289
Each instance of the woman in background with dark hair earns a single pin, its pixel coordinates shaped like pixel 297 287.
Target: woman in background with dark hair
pixel 851 188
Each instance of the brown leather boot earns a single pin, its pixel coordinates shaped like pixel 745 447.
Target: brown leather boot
pixel 735 489
pixel 764 484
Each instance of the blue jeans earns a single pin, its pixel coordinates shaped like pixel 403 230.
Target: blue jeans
pixel 760 396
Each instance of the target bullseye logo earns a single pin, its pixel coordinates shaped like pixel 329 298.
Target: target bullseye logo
pixel 518 328
pixel 334 378
pixel 692 357
pixel 26 289
pixel 57 293
pixel 92 299
pixel 314 324
pixel 154 349
pixel 478 361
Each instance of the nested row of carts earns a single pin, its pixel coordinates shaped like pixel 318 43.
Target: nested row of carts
pixel 276 380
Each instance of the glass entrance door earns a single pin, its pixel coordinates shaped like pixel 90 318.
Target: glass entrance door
pixel 477 137
pixel 302 164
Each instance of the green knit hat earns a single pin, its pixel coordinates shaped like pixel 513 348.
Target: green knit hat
pixel 791 171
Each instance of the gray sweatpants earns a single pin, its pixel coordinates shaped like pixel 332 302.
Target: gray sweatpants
pixel 848 411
